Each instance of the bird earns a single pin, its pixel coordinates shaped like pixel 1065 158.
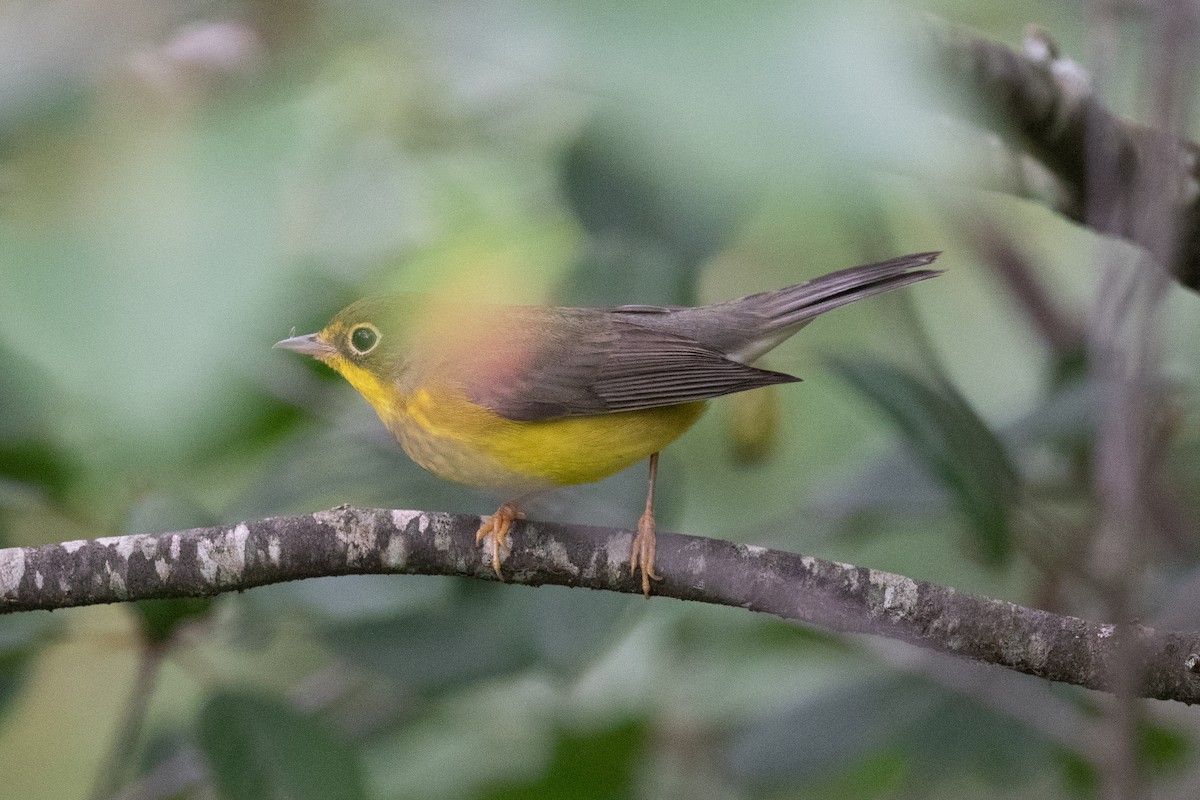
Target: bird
pixel 519 399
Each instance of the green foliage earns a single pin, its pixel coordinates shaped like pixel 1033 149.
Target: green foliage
pixel 1161 750
pixel 496 631
pixel 20 636
pixel 869 724
pixel 161 618
pixel 952 442
pixel 30 455
pixel 589 765
pixel 258 747
pixel 878 776
pixel 12 671
pixel 1164 748
pixel 653 222
pixel 38 464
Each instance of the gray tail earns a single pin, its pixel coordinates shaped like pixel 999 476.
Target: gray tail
pixel 782 312
pixel 792 306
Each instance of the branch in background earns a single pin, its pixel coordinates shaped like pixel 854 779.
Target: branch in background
pixel 209 561
pixel 1142 195
pixel 1054 324
pixel 1043 105
pixel 124 743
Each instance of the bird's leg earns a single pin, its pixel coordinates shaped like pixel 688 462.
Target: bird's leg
pixel 495 529
pixel 642 553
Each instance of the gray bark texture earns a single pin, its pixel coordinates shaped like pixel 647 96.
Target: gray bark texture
pixel 841 597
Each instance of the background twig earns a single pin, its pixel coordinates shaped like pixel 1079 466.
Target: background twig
pixel 1044 106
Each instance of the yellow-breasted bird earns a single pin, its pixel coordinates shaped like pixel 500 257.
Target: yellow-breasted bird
pixel 518 399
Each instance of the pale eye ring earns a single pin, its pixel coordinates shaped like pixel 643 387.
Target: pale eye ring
pixel 364 338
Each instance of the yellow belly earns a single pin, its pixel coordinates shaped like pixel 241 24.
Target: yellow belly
pixel 459 441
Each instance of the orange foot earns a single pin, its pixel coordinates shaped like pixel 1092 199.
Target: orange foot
pixel 642 553
pixel 495 530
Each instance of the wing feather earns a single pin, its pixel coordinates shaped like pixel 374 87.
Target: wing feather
pixel 534 363
pixel 590 361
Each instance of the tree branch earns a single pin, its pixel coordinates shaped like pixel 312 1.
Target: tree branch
pixel 1043 105
pixel 344 541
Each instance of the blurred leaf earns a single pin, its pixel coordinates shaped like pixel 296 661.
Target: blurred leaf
pixel 12 675
pixel 1078 775
pixel 20 631
pixel 615 269
pixel 959 737
pixel 136 270
pixel 490 256
pixel 895 481
pixel 37 463
pixel 1067 414
pixel 937 733
pixel 952 442
pixel 829 733
pixel 356 598
pixel 571 628
pixel 262 420
pixel 598 765
pixel 165 740
pixel 882 775
pixel 41 90
pixel 161 618
pixel 258 747
pixel 354 460
pixel 1070 368
pixel 752 421
pixel 20 635
pixel 156 513
pixel 477 636
pixel 653 219
pixel 615 184
pixel 28 451
pixel 1161 749
pixel 483 631
pixel 24 395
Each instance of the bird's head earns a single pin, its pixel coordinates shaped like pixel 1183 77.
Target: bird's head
pixel 367 342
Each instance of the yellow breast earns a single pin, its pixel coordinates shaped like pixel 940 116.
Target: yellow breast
pixel 457 440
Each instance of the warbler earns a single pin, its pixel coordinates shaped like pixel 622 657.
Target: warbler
pixel 520 399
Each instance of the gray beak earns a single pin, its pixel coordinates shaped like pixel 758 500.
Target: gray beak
pixel 309 345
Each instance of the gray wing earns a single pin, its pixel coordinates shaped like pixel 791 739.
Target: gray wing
pixel 549 363
pixel 598 361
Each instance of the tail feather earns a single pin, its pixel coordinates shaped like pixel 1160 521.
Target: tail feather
pixel 785 311
pixel 797 304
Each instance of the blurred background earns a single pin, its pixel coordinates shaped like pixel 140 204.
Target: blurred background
pixel 184 183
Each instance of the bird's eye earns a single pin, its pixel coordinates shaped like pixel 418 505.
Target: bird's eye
pixel 363 339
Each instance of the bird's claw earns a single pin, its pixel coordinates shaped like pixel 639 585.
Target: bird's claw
pixel 495 530
pixel 641 554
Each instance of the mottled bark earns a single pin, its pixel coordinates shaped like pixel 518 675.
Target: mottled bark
pixel 208 561
pixel 1044 107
